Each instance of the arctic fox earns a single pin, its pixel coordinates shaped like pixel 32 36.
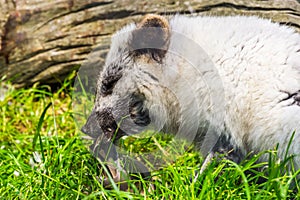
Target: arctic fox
pixel 223 82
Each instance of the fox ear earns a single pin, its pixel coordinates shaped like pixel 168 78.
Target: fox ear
pixel 151 37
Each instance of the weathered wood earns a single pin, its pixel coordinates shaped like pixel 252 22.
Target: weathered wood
pixel 42 41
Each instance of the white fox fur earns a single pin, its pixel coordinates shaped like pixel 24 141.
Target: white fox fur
pixel 256 71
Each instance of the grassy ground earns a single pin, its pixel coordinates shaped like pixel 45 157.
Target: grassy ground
pixel 43 157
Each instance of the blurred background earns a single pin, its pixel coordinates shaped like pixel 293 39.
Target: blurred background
pixel 44 41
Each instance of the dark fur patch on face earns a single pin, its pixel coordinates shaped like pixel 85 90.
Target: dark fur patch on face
pixel 108 83
pixel 110 78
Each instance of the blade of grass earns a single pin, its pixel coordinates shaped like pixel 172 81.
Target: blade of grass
pixel 37 134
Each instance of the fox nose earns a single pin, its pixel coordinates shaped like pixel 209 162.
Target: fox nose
pixel 109 125
pixel 102 147
pixel 91 126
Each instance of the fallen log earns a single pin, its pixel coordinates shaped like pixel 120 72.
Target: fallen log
pixel 43 41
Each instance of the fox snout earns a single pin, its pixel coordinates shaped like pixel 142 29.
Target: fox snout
pixel 92 127
pixel 102 122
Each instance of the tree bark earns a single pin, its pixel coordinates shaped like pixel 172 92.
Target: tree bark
pixel 42 41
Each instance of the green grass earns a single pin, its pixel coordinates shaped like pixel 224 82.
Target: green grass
pixel 42 156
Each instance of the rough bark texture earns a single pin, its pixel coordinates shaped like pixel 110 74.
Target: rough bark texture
pixel 42 41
